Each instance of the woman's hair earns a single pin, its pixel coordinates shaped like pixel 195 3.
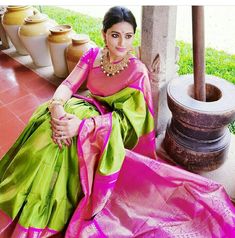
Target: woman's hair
pixel 116 15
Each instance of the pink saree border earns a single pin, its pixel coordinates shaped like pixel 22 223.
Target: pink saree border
pixel 78 214
pixel 83 170
pixel 146 145
pixel 92 101
pixel 20 231
pixel 101 234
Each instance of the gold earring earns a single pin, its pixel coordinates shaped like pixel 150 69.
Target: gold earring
pixel 105 44
pixel 131 49
pixel 106 49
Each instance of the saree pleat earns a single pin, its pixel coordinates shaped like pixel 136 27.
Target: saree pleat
pixel 39 184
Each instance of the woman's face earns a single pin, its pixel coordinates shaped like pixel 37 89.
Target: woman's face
pixel 119 40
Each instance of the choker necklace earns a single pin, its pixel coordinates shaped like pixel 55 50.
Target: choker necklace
pixel 111 69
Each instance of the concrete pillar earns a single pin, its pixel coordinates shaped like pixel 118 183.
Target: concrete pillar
pixel 158 52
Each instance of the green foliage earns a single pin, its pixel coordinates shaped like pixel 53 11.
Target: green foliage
pixel 80 23
pixel 218 63
pixel 232 127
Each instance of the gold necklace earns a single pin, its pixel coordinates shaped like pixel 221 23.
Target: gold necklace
pixel 111 69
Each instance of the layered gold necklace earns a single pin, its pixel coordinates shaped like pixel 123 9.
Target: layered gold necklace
pixel 111 69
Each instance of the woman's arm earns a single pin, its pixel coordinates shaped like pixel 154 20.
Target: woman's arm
pixel 71 84
pixel 61 95
pixel 64 126
pixel 56 107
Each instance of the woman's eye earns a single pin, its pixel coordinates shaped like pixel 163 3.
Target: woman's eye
pixel 115 35
pixel 128 36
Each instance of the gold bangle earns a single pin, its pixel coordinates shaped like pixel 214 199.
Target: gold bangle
pixel 55 101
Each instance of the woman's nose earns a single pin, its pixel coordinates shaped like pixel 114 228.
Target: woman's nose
pixel 121 41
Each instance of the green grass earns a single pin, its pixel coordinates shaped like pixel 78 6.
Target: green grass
pixel 218 63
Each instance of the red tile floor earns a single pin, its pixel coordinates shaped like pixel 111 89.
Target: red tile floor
pixel 21 91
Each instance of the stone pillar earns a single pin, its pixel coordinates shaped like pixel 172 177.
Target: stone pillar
pixel 158 52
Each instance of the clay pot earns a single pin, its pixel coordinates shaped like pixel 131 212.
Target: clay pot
pixel 80 44
pixel 59 39
pixel 33 34
pixel 197 136
pixel 4 38
pixel 12 20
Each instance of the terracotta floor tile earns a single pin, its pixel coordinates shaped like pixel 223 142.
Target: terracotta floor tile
pixel 12 94
pixel 24 104
pixel 21 92
pixel 33 83
pixel 7 62
pixel 25 116
pixel 45 93
pixel 5 115
pixel 7 80
pixel 10 130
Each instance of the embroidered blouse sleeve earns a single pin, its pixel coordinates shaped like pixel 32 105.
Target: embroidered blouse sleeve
pixel 80 72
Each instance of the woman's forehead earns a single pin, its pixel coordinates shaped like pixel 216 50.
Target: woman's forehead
pixel 122 27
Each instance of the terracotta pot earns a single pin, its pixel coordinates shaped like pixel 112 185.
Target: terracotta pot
pixel 4 38
pixel 12 20
pixel 197 136
pixel 59 39
pixel 80 44
pixel 34 32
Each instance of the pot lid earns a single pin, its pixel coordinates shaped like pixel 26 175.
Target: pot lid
pixel 36 17
pixel 80 38
pixel 61 29
pixel 17 7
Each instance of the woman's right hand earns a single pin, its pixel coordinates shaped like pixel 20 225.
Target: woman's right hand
pixel 58 113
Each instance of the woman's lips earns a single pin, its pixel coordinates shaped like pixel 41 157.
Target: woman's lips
pixel 121 49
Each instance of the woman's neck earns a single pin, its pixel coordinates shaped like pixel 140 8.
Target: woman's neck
pixel 114 58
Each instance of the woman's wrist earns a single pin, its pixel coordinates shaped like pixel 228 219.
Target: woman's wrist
pixel 55 103
pixel 57 111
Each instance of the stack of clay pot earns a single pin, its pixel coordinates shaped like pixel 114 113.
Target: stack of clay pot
pixel 59 39
pixel 4 38
pixel 81 43
pixel 13 18
pixel 33 34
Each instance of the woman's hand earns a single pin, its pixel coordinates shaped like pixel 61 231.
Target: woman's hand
pixel 64 129
pixel 57 111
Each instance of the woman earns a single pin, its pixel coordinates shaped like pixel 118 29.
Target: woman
pixel 94 173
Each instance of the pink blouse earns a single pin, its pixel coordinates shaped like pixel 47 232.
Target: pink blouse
pixel 97 82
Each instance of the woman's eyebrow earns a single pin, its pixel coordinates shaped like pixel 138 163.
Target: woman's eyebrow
pixel 116 32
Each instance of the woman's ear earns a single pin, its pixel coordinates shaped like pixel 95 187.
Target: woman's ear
pixel 104 36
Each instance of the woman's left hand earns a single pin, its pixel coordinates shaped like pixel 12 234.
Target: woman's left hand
pixel 65 128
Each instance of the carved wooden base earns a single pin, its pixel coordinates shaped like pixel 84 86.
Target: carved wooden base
pixel 197 136
pixel 196 155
